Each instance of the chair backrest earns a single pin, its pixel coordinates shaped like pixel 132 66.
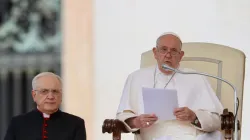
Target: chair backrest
pixel 215 59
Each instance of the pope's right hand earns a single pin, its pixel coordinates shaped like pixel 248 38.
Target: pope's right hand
pixel 142 121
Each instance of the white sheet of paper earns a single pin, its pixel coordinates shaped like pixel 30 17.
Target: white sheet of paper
pixel 163 138
pixel 161 102
pixel 211 136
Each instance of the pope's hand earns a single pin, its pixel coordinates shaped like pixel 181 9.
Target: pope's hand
pixel 142 121
pixel 184 114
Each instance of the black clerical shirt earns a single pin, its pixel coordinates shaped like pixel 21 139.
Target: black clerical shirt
pixel 34 126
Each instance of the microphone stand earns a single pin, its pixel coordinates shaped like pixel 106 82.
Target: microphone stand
pixel 166 67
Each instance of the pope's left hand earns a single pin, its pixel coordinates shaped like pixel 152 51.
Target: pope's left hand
pixel 184 114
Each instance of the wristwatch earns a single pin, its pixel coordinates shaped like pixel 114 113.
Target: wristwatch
pixel 196 122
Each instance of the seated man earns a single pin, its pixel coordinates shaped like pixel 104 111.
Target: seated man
pixel 199 108
pixel 47 121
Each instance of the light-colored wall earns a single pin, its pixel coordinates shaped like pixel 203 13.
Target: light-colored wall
pixel 77 62
pixel 125 29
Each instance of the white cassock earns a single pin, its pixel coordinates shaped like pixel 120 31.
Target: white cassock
pixel 193 91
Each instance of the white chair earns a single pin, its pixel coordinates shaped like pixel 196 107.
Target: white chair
pixel 218 60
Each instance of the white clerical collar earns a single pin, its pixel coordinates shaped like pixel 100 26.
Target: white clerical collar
pixel 45 115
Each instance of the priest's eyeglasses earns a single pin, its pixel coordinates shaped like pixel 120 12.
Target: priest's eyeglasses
pixel 47 91
pixel 164 50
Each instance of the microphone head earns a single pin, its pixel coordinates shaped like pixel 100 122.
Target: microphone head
pixel 166 67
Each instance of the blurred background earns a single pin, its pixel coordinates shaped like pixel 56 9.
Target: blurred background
pixel 95 44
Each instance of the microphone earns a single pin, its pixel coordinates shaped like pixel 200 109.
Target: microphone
pixel 236 100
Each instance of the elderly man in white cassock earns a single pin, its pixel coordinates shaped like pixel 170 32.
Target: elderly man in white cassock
pixel 199 108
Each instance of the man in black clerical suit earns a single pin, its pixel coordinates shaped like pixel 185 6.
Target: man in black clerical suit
pixel 46 122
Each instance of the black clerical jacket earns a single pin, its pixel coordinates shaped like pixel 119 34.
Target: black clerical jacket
pixel 33 126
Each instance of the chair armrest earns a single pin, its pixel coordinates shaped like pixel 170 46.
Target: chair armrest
pixel 113 125
pixel 227 123
pixel 116 127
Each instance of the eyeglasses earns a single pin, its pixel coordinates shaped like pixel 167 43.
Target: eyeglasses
pixel 47 91
pixel 164 50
